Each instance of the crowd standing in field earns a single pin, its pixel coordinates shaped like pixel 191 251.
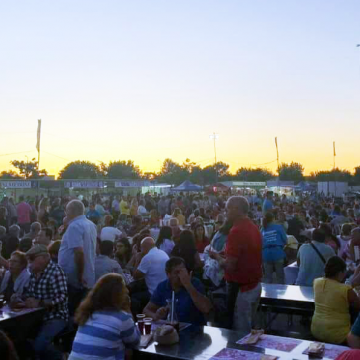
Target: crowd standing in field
pixel 96 263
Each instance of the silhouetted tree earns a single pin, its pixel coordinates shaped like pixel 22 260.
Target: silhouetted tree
pixel 80 170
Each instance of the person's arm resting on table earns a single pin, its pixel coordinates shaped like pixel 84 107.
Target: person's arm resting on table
pixel 154 311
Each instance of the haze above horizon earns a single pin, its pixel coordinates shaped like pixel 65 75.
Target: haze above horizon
pixel 149 80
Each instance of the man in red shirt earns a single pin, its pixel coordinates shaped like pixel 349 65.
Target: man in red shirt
pixel 24 211
pixel 243 266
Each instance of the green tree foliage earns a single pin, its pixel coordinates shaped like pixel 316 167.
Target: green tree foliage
pixel 28 169
pixel 172 173
pixel 80 170
pixel 10 175
pixel 123 170
pixel 150 175
pixel 332 175
pixel 357 175
pixel 258 174
pixel 291 172
pixel 209 173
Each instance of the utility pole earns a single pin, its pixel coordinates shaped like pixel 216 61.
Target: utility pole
pixel 215 137
pixel 27 164
pixel 277 153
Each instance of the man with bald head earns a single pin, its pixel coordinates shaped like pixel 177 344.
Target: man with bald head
pixel 243 266
pixel 152 264
pixel 151 269
pixel 77 253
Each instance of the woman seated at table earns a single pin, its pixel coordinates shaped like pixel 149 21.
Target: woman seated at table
pixel 106 327
pixel 331 320
pixel 201 241
pixel 186 249
pixel 164 241
pixel 17 277
pixel 123 252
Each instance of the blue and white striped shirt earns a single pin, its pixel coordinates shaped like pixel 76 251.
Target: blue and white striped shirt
pixel 105 335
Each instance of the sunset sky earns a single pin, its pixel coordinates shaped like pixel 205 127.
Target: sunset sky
pixel 149 79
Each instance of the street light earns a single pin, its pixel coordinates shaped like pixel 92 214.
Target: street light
pixel 215 137
pixel 27 163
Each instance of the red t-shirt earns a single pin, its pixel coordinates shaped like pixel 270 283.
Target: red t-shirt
pixel 244 243
pixel 200 246
pixel 349 355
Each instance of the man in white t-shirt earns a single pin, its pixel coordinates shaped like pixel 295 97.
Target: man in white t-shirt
pixel 152 265
pixel 110 233
pixel 151 270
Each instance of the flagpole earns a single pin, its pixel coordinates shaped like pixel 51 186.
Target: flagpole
pixel 334 153
pixel 38 141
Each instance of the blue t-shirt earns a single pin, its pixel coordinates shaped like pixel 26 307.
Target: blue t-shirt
pixel 267 206
pixel 186 310
pixel 273 241
pixel 355 330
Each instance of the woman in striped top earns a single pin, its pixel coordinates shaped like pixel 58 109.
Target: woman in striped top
pixel 106 327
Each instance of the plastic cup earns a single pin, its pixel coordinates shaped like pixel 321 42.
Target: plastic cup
pixel 147 325
pixel 140 321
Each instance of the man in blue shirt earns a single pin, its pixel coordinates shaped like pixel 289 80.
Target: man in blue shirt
pixel 190 302
pixel 268 202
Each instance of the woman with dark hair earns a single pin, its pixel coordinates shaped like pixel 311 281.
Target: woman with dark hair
pixel 123 252
pixel 273 241
pixel 164 241
pixel 106 327
pixel 186 249
pixel 201 241
pixel 7 349
pixel 331 321
pixel 136 225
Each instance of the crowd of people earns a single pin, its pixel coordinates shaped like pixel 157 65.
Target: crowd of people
pixel 97 263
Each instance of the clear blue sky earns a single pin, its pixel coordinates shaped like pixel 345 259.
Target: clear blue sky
pixel 146 80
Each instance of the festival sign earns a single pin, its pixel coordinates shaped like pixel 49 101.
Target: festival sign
pixel 249 183
pixel 20 184
pixel 84 184
pixel 124 183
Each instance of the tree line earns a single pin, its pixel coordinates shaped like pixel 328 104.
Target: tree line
pixel 175 173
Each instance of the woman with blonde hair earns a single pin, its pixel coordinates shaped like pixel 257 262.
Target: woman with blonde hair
pixel 106 327
pixel 134 207
pixel 43 214
pixel 178 215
